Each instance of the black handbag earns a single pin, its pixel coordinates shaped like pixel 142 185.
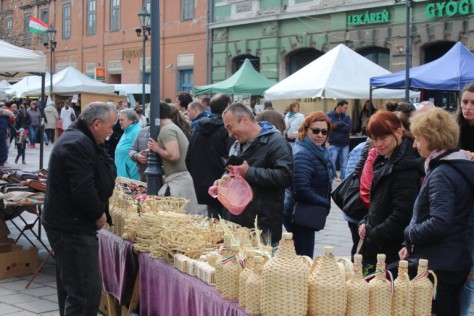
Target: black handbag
pixel 346 196
pixel 310 216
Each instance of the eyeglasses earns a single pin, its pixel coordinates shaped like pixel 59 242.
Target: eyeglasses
pixel 316 131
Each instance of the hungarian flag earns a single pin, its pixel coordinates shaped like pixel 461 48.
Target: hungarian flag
pixel 37 26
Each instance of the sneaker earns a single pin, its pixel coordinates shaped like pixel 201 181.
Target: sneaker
pixel 23 162
pixel 337 179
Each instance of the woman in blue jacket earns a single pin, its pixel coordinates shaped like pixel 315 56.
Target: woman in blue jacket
pixel 313 174
pixel 126 167
pixel 437 230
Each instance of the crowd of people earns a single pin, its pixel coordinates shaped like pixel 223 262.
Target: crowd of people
pixel 414 179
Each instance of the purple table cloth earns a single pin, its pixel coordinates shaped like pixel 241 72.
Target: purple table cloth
pixel 164 290
pixel 119 266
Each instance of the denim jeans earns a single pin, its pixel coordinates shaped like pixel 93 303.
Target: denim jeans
pixel 32 130
pixel 77 272
pixel 340 153
pixel 468 290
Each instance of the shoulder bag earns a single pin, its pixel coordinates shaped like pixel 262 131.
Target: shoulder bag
pixel 310 216
pixel 346 196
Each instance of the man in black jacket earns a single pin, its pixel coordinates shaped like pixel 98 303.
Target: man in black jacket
pixel 81 180
pixel 209 143
pixel 267 167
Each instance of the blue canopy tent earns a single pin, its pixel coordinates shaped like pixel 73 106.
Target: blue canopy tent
pixel 452 71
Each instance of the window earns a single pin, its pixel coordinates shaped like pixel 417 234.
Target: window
pixel 187 9
pixel 67 21
pixel 26 29
pixel 380 56
pixel 114 15
pixel 239 61
pixel 147 5
pixel 91 17
pixel 9 27
pixel 186 80
pixel 45 19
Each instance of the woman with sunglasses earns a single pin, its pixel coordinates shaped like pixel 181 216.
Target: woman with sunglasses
pixel 313 176
pixel 397 174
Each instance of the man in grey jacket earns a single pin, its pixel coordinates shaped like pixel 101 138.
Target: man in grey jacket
pixel 267 166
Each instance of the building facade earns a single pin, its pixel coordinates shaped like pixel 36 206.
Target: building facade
pixel 102 34
pixel 282 36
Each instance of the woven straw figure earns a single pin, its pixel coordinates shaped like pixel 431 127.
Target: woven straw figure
pixel 357 290
pixel 230 276
pixel 244 277
pixel 380 293
pixel 401 300
pixel 327 288
pixel 254 288
pixel 422 290
pixel 285 282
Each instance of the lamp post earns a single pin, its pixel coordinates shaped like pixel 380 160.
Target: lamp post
pixel 51 44
pixel 153 171
pixel 144 17
pixel 407 49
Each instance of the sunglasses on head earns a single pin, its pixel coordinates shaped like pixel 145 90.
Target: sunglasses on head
pixel 316 131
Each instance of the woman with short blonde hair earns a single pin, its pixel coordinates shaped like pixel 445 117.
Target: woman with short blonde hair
pixel 438 229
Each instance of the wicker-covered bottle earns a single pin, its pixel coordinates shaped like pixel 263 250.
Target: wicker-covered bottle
pixel 285 282
pixel 224 253
pixel 401 300
pixel 357 290
pixel 422 290
pixel 230 276
pixel 244 277
pixel 327 293
pixel 254 288
pixel 380 292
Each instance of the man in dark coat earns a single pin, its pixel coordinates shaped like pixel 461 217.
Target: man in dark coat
pixel 209 143
pixel 267 167
pixel 81 180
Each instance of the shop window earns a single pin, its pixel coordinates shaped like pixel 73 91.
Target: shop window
pixel 378 55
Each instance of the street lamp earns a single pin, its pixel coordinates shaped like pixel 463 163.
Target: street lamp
pixel 51 44
pixel 407 49
pixel 153 170
pixel 144 17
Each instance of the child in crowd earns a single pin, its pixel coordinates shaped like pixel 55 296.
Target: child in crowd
pixel 21 142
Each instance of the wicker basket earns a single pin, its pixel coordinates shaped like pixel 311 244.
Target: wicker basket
pixel 254 288
pixel 285 282
pixel 423 290
pixel 357 290
pixel 380 293
pixel 230 276
pixel 244 277
pixel 327 288
pixel 401 300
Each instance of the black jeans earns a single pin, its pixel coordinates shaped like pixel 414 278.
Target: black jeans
pixel 450 285
pixel 50 134
pixel 355 238
pixel 77 272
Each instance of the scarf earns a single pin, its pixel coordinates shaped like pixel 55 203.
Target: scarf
pixel 432 156
pixel 290 114
pixel 321 153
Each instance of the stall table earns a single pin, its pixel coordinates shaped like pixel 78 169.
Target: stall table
pixel 164 290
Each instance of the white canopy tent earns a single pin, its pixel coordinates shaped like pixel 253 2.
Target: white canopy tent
pixel 4 85
pixel 18 62
pixel 67 81
pixel 340 73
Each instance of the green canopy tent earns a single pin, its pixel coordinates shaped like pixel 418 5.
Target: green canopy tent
pixel 245 80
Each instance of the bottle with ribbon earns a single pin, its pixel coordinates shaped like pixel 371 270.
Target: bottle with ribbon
pixel 327 284
pixel 254 288
pixel 380 289
pixel 357 290
pixel 289 271
pixel 248 270
pixel 224 252
pixel 230 275
pixel 401 300
pixel 423 290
